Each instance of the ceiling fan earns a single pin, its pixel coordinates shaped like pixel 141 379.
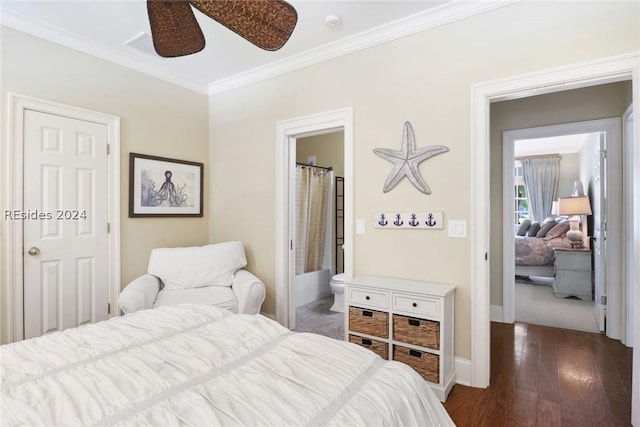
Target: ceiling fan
pixel 267 24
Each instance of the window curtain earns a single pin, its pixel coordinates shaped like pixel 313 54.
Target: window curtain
pixel 312 186
pixel 541 182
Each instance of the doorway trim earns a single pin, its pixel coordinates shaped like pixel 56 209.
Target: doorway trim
pixel 610 127
pixel 287 131
pixel 17 107
pixel 590 73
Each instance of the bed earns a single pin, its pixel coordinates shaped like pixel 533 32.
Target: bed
pixel 202 365
pixel 535 243
pixel 534 256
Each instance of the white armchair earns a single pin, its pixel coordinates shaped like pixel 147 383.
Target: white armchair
pixel 210 275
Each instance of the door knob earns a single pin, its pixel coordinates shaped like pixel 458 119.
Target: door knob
pixel 34 251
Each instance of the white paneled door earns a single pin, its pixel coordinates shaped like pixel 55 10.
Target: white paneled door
pixel 65 223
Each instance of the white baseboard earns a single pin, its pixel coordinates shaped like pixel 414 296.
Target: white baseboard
pixel 463 371
pixel 496 313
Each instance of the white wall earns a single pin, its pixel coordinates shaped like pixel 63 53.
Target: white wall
pixel 426 79
pixel 569 173
pixel 156 118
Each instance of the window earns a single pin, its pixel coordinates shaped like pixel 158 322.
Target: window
pixel 521 202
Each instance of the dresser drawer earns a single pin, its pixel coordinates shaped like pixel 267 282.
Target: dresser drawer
pixel 424 333
pixel 378 347
pixel 370 322
pixel 426 364
pixel 573 260
pixel 368 297
pixel 417 305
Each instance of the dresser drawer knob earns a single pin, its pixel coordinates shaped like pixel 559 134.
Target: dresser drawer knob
pixel 415 304
pixel 367 297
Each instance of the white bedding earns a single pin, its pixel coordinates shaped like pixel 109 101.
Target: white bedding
pixel 203 366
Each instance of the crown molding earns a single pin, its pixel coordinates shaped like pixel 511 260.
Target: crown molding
pixel 430 18
pixel 62 37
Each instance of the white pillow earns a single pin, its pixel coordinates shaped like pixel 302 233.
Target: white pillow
pixel 197 266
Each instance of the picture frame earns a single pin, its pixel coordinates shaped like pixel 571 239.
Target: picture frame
pixel 163 187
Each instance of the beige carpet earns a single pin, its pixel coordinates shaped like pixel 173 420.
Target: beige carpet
pixel 536 304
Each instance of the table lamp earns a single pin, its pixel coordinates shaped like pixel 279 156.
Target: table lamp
pixel 574 207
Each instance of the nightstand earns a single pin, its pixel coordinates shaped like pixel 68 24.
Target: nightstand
pixel 572 274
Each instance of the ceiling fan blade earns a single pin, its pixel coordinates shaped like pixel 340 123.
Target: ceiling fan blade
pixel 174 28
pixel 266 23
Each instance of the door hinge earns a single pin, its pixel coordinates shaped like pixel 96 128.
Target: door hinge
pixel 603 300
pixel 108 308
pixel 290 244
pixel 108 227
pixel 486 256
pixel 603 154
pixel 108 149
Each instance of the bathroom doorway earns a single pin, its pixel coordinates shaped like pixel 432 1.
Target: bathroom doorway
pixel 288 132
pixel 318 285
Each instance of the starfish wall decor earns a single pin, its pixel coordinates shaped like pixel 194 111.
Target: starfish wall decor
pixel 407 159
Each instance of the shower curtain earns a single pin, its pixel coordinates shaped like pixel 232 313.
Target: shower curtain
pixel 312 187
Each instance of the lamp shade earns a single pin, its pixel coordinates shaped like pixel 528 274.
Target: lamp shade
pixel 574 206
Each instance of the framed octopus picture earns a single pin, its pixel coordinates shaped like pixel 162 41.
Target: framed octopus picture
pixel 164 187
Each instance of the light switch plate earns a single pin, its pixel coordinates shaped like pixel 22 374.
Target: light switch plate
pixel 359 226
pixel 457 228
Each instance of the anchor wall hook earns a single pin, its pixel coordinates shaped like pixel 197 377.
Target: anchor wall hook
pixel 430 221
pixel 414 222
pixel 383 220
pixel 398 222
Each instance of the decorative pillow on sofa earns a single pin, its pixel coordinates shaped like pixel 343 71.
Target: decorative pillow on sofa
pixel 561 227
pixel 524 226
pixel 545 227
pixel 533 230
pixel 197 266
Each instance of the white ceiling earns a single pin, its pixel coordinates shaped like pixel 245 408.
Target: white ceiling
pixel 102 28
pixel 563 144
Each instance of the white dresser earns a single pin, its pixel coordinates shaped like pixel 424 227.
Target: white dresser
pixel 572 274
pixel 405 320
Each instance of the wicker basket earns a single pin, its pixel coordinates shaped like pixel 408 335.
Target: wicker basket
pixel 426 364
pixel 370 322
pixel 424 333
pixel 378 347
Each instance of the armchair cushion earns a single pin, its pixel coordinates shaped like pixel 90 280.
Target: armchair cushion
pixel 220 296
pixel 198 266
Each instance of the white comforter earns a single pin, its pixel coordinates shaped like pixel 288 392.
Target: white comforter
pixel 203 366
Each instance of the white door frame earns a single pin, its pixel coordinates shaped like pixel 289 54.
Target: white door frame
pixel 17 106
pixel 612 128
pixel 287 131
pixel 607 70
pixel 627 214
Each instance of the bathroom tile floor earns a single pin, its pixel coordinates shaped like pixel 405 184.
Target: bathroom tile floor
pixel 317 318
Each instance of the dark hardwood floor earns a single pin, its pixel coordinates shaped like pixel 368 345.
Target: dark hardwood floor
pixel 542 376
